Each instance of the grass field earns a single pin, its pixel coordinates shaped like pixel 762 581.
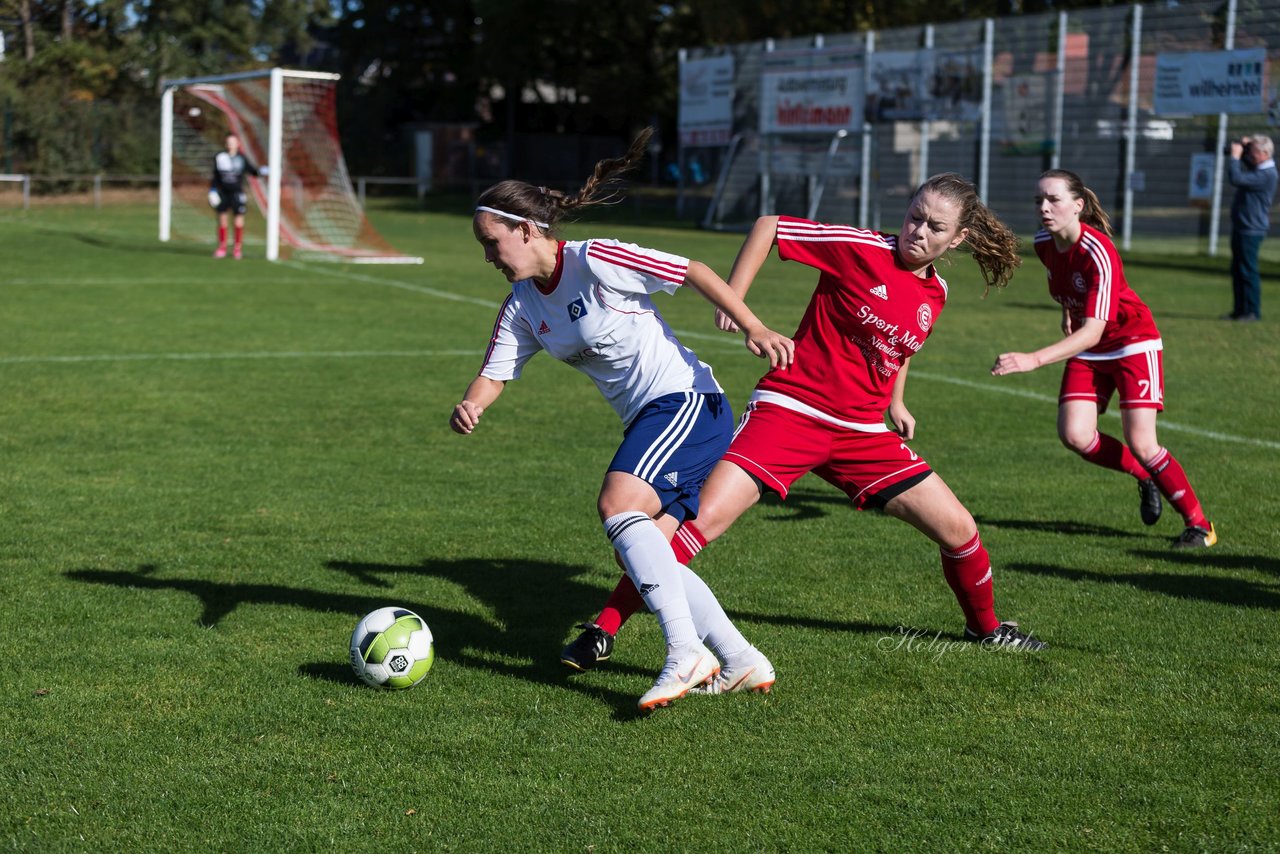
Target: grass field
pixel 209 471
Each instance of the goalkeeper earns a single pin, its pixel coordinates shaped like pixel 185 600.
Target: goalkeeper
pixel 226 192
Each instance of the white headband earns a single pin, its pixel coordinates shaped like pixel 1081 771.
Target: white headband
pixel 511 216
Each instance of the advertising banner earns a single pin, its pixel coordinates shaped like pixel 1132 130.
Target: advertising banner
pixel 813 91
pixel 1223 81
pixel 706 101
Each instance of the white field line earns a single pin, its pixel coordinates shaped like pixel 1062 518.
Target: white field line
pixel 1031 395
pixel 720 339
pixel 207 357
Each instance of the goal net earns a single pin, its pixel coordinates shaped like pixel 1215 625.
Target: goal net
pixel 286 121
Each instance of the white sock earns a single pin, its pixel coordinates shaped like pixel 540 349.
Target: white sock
pixel 655 572
pixel 714 626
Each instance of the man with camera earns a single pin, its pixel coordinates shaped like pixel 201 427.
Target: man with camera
pixel 1252 171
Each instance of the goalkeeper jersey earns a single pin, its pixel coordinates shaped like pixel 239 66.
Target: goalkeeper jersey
pixel 229 171
pixel 596 314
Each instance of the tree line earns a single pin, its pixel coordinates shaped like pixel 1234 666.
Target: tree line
pixel 79 79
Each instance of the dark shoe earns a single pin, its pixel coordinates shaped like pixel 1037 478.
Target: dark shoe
pixel 1149 504
pixel 588 649
pixel 1195 537
pixel 1006 634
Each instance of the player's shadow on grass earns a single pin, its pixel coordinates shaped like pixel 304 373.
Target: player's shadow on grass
pixel 804 504
pixel 533 604
pixel 1215 558
pixel 1055 526
pixel 1222 591
pixel 129 245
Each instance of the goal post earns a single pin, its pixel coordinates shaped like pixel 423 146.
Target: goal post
pixel 287 121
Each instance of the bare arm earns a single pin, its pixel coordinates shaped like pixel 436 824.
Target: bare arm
pixel 1074 344
pixel 904 423
pixel 479 395
pixel 761 340
pixel 751 257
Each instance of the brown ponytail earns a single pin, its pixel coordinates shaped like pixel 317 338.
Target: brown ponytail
pixel 994 246
pixel 541 205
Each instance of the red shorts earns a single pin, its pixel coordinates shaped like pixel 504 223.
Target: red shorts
pixel 779 446
pixel 1139 379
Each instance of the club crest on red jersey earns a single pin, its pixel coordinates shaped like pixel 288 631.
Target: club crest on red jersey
pixel 924 316
pixel 1077 282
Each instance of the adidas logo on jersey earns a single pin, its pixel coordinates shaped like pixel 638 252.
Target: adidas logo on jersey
pixel 670 477
pixel 544 329
pixel 880 291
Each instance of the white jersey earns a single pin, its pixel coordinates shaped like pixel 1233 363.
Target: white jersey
pixel 596 314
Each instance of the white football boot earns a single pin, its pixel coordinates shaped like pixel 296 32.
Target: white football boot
pixel 753 673
pixel 681 673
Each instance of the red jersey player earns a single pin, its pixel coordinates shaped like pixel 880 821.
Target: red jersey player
pixel 877 299
pixel 1111 344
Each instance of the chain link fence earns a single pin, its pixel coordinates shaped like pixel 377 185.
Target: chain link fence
pixel 1078 69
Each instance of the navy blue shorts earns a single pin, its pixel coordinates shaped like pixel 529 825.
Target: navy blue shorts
pixel 673 444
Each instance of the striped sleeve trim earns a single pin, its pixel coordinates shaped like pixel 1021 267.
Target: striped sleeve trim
pixel 815 232
pixel 1102 260
pixel 493 334
pixel 620 256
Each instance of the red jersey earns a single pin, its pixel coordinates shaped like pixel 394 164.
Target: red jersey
pixel 866 316
pixel 1088 280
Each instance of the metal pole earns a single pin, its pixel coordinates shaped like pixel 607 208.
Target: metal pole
pixel 764 158
pixel 275 158
pixel 819 186
pixel 683 56
pixel 984 143
pixel 1055 157
pixel 924 125
pixel 864 191
pixel 1215 207
pixel 1131 144
pixel 708 220
pixel 166 162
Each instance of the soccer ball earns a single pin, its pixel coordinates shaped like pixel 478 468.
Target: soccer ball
pixel 392 648
pixel 214 199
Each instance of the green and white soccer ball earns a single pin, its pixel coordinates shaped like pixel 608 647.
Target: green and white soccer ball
pixel 392 648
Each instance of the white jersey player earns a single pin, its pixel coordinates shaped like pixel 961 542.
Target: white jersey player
pixel 589 304
pixel 596 314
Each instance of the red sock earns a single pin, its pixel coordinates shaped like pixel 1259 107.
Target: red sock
pixel 222 237
pixel 239 235
pixel 1173 483
pixel 1111 453
pixel 687 542
pixel 968 571
pixel 622 603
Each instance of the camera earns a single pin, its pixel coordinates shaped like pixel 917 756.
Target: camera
pixel 1226 149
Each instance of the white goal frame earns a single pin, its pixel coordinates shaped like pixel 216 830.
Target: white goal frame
pixel 275 131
